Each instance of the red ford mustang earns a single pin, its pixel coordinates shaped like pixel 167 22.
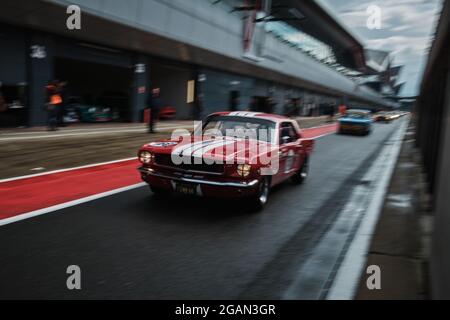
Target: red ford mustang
pixel 230 155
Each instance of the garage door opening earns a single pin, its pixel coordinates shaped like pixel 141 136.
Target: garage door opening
pixel 13 110
pixel 177 89
pixel 94 92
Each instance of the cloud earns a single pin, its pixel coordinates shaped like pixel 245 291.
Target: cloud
pixel 409 17
pixel 402 48
pixel 407 26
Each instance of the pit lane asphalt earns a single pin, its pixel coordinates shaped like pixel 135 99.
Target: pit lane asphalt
pixel 134 246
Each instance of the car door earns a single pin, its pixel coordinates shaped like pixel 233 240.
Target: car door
pixel 289 151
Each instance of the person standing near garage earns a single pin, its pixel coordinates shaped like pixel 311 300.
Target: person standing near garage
pixel 288 107
pixel 3 105
pixel 342 109
pixel 234 101
pixel 154 104
pixel 53 104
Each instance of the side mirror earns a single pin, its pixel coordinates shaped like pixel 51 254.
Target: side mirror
pixel 285 139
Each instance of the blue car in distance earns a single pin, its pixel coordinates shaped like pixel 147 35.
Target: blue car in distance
pixel 356 121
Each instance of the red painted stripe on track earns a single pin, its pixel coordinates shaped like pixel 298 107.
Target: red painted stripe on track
pixel 319 131
pixel 30 194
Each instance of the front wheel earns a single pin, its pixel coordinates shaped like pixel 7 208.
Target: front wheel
pixel 302 173
pixel 158 192
pixel 258 201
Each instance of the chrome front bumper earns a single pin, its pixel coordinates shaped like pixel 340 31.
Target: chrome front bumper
pixel 150 172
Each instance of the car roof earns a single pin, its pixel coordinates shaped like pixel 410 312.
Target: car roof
pixel 250 114
pixel 359 111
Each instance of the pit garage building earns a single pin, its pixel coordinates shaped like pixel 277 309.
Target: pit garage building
pixel 204 55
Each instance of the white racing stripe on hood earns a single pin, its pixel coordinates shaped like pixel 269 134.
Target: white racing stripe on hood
pixel 189 151
pixel 189 147
pixel 244 113
pixel 206 148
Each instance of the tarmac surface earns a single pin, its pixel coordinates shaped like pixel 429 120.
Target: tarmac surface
pixel 135 246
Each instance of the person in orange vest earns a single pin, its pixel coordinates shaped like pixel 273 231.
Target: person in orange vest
pixel 53 104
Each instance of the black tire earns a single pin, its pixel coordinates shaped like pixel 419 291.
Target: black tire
pixel 301 175
pixel 258 201
pixel 158 191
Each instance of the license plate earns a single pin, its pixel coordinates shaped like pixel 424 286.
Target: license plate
pixel 351 128
pixel 186 189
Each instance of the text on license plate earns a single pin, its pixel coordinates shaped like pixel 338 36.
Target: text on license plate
pixel 186 189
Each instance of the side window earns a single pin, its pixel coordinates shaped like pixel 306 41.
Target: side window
pixel 288 133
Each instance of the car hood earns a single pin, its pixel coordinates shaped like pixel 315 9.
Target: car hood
pixel 222 148
pixel 353 120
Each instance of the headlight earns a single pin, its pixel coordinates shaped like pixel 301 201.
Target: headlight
pixel 146 157
pixel 243 170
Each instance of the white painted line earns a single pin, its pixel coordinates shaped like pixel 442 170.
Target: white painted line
pixel 45 132
pixel 33 135
pixel 61 206
pixel 67 169
pixel 348 276
pixel 62 135
pixel 313 276
pixel 88 129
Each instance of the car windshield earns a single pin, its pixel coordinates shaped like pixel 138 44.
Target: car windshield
pixel 356 115
pixel 240 127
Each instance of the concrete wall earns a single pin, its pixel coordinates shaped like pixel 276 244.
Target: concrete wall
pixel 440 264
pixel 12 56
pixel 217 87
pixel 432 112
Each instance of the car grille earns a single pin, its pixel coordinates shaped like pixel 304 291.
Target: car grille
pixel 351 123
pixel 166 160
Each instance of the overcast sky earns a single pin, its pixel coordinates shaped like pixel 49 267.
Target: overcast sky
pixel 406 30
